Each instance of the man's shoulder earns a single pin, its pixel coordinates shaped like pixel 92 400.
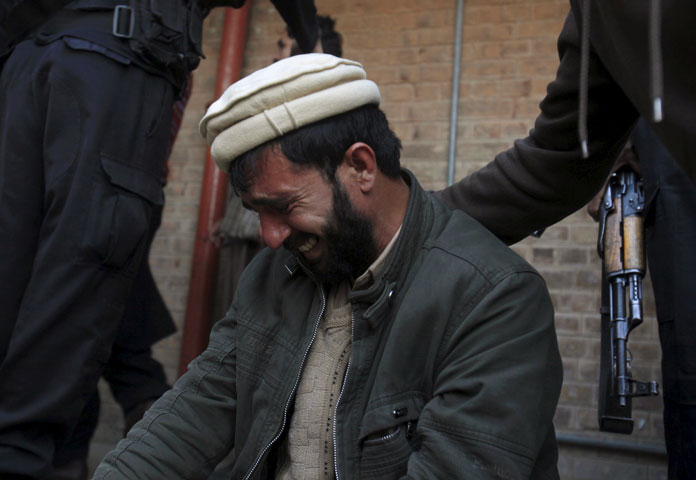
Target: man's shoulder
pixel 469 245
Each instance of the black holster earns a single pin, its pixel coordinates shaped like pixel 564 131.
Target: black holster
pixel 166 34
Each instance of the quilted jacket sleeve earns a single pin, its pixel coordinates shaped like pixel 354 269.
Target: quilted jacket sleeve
pixel 191 427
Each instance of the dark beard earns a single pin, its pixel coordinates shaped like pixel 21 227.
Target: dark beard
pixel 350 242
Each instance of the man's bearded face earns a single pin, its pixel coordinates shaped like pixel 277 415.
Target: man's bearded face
pixel 351 247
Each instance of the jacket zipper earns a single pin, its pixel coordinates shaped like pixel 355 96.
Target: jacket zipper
pixel 345 377
pixel 389 435
pixel 294 387
pixel 343 387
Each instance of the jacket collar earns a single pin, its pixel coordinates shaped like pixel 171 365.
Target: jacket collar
pixel 414 232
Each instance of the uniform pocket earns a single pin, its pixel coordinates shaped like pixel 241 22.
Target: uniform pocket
pixel 133 180
pixel 121 207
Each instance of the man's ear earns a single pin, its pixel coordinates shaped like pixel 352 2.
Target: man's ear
pixel 359 167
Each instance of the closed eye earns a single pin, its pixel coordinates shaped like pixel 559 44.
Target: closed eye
pixel 284 208
pixel 281 205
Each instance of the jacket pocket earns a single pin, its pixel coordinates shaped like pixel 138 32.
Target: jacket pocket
pixel 120 211
pixel 385 453
pixel 388 437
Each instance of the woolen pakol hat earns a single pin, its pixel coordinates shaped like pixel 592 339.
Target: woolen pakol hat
pixel 282 97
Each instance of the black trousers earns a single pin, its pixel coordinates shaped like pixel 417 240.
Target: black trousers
pixel 670 220
pixel 133 375
pixel 83 134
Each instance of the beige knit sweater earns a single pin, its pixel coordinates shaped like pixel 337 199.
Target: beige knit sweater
pixel 307 452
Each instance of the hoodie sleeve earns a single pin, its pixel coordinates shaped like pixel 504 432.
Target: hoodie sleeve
pixel 543 177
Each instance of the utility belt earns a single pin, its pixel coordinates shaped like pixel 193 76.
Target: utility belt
pixel 162 35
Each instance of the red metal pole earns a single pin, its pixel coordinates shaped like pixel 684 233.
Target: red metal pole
pixel 199 305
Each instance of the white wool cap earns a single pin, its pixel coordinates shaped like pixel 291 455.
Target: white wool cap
pixel 283 97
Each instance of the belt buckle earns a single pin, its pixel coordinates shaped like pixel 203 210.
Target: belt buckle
pixel 118 21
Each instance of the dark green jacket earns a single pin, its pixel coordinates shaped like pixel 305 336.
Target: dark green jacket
pixel 454 370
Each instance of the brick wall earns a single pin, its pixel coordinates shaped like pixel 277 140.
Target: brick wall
pixel 407 46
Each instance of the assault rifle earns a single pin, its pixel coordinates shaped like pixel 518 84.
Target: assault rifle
pixel 621 245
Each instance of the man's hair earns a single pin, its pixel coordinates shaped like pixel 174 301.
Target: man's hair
pixel 323 144
pixel 331 40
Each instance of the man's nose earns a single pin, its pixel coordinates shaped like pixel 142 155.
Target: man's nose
pixel 274 230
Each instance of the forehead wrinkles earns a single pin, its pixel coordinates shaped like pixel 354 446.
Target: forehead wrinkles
pixel 258 167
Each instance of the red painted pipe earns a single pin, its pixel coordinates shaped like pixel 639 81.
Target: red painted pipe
pixel 199 305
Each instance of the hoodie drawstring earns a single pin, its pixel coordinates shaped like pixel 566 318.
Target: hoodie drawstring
pixel 656 87
pixel 584 75
pixel 656 59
